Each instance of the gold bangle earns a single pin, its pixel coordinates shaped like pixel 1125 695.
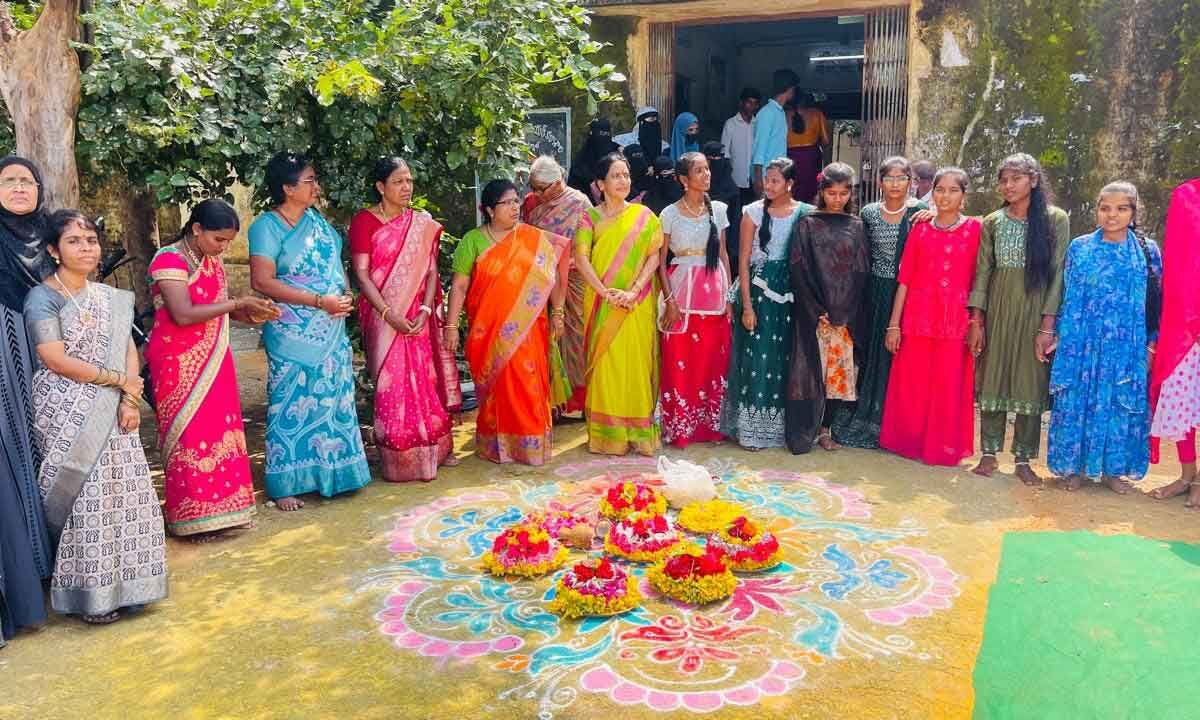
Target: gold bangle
pixel 385 312
pixel 317 301
pixel 451 327
pixel 892 327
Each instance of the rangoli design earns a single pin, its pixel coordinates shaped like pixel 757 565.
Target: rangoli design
pixel 846 589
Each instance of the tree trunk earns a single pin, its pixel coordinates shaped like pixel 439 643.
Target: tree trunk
pixel 39 81
pixel 139 220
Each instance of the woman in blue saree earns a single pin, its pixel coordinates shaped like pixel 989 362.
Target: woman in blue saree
pixel 313 439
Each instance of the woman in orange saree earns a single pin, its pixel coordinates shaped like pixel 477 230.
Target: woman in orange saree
pixel 203 442
pixel 394 250
pixel 505 272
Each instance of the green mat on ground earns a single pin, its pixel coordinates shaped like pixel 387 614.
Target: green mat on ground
pixel 1086 626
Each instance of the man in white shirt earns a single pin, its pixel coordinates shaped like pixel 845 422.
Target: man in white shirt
pixel 738 136
pixel 738 139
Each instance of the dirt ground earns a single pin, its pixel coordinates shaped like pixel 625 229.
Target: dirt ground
pixel 289 620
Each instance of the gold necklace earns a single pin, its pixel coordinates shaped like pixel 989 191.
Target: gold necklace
pixel 197 259
pixel 85 316
pixel 692 210
pixel 611 214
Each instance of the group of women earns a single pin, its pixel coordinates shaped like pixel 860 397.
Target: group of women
pixel 879 328
pixel 875 328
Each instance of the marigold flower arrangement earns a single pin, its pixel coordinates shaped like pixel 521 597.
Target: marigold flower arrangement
pixel 694 575
pixel 708 516
pixel 595 588
pixel 525 550
pixel 747 546
pixel 641 538
pixel 626 498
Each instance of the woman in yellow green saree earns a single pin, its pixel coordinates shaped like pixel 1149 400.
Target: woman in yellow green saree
pixel 616 251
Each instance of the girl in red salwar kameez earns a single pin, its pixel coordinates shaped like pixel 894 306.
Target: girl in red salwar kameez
pixel 394 249
pixel 929 411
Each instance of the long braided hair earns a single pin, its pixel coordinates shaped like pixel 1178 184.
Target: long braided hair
pixel 785 167
pixel 1039 232
pixel 683 168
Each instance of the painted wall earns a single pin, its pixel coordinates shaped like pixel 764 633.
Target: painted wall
pixel 1097 89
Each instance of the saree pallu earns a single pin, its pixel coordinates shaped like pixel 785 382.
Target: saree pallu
pixel 313 440
pixel 200 431
pixel 413 388
pixel 95 483
pixel 695 354
pixel 561 215
pixel 622 367
pixel 508 346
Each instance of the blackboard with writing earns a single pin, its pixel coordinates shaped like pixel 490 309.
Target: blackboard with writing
pixel 548 132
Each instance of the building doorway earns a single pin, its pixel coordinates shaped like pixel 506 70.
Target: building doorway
pixel 855 65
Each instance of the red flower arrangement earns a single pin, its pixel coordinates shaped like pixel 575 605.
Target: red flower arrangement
pixel 525 550
pixel 694 575
pixel 641 538
pixel 746 545
pixel 595 588
pixel 626 498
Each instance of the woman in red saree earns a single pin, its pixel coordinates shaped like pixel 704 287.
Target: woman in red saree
pixel 208 483
pixel 394 251
pixel 1175 377
pixel 505 272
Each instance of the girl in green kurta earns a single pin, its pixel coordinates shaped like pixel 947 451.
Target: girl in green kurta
pixel 1017 291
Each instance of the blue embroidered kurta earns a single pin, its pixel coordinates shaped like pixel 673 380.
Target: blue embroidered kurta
pixel 1100 423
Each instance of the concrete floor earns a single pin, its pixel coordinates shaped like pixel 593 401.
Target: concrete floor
pixel 284 621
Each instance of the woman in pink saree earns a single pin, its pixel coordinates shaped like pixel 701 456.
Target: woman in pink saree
pixel 203 441
pixel 394 248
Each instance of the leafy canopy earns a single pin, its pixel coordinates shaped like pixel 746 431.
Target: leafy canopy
pixel 186 95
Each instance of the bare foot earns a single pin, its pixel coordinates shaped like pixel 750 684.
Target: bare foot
pixel 1118 484
pixel 289 504
pixel 451 461
pixel 1027 475
pixel 1193 501
pixel 987 465
pixel 1071 483
pixel 826 441
pixel 1175 489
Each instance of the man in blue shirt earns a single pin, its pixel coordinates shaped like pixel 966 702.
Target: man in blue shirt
pixel 770 126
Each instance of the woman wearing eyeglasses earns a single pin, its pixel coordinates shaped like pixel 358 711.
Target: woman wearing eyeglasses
pixel 313 440
pixel 505 272
pixel 888 223
pixel 24 546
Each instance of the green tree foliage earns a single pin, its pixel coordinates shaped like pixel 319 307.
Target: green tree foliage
pixel 185 95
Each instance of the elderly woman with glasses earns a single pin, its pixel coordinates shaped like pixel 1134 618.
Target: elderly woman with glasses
pixel 560 210
pixel 505 273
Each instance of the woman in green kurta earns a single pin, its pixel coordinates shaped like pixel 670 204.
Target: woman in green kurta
pixel 1014 301
pixel 888 223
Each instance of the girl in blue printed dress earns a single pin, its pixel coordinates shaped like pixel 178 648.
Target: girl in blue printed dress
pixel 1106 327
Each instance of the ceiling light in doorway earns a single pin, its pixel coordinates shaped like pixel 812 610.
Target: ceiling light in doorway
pixel 851 19
pixel 837 58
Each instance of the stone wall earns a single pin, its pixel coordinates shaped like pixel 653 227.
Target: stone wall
pixel 1098 90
